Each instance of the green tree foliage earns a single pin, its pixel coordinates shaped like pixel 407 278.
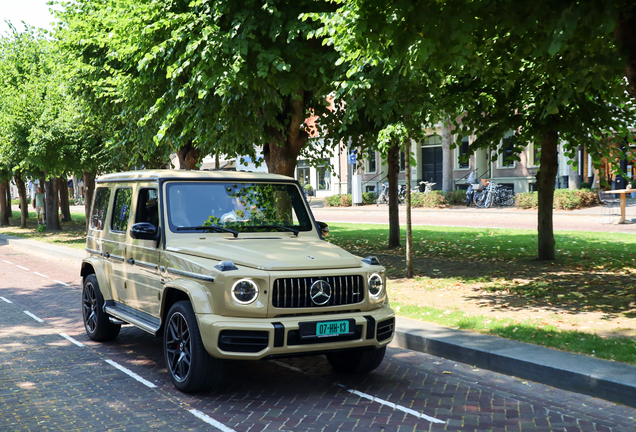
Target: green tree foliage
pixel 203 77
pixel 548 70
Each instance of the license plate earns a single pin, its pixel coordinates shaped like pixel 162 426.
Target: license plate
pixel 330 328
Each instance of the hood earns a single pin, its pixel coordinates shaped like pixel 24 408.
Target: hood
pixel 269 254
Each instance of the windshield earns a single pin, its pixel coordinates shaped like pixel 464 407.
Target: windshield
pixel 236 207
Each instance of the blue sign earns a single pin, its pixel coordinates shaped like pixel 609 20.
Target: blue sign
pixel 352 157
pixel 123 212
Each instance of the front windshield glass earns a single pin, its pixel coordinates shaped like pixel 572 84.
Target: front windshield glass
pixel 235 207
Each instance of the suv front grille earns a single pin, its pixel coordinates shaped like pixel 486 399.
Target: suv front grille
pixel 295 292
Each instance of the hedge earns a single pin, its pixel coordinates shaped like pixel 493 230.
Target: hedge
pixel 564 199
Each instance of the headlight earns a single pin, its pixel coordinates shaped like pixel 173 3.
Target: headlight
pixel 245 291
pixel 375 285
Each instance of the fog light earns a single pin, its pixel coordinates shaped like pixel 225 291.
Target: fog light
pixel 245 291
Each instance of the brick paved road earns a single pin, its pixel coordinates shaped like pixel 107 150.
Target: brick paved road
pixel 49 383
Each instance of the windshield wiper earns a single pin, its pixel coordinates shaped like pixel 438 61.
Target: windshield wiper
pixel 284 228
pixel 210 227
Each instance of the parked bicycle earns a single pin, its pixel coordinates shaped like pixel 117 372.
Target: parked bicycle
pixel 494 195
pixel 383 196
pixel 428 186
pixel 308 196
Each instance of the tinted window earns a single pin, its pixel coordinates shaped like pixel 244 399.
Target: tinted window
pixel 121 210
pixel 254 207
pixel 147 206
pixel 100 207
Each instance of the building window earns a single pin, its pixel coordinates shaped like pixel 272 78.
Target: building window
pixel 507 152
pixel 402 161
pixel 324 175
pixel 463 151
pixel 302 171
pixel 371 162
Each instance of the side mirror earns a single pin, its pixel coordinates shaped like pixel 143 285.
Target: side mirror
pixel 323 228
pixel 143 231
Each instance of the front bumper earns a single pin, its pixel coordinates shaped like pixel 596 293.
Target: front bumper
pixel 257 338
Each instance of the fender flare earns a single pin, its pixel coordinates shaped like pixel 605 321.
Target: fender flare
pixel 199 295
pixel 98 267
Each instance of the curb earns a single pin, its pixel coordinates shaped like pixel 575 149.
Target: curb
pixel 579 373
pixel 50 250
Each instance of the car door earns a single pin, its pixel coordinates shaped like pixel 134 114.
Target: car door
pixel 144 287
pixel 115 246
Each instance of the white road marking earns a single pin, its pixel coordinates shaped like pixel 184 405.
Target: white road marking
pixel 67 337
pixel 8 262
pixel 392 405
pixel 40 274
pixel 33 316
pixel 7 300
pixel 131 374
pixel 209 420
pixel 23 268
pixel 61 283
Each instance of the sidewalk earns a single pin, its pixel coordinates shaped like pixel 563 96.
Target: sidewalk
pixel 604 379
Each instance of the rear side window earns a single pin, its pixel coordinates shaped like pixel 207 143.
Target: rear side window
pixel 100 207
pixel 147 206
pixel 121 210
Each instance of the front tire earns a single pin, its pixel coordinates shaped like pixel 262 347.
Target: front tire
pixel 191 368
pixel 358 361
pixel 96 321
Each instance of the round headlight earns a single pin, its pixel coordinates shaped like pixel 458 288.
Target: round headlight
pixel 375 285
pixel 245 291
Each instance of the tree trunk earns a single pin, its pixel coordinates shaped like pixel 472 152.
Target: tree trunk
pixel 51 206
pixel 626 36
pixel 89 188
pixel 62 186
pixel 408 270
pixel 447 157
pixel 393 166
pixel 24 202
pixel 4 213
pixel 9 208
pixel 282 151
pixel 217 161
pixel 546 178
pixel 189 157
pixel 574 181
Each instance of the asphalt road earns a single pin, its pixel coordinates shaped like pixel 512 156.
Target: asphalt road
pixel 53 378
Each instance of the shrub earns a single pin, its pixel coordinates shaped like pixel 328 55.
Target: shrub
pixel 332 201
pixel 431 199
pixel 564 199
pixel 369 198
pixel 455 197
pixel 585 185
pixel 345 200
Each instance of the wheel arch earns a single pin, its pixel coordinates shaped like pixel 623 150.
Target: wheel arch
pixel 95 267
pixel 184 289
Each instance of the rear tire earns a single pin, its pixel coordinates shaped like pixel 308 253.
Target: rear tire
pixel 191 368
pixel 359 361
pixel 96 321
pixel 479 199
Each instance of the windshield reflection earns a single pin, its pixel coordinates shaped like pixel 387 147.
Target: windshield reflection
pixel 236 207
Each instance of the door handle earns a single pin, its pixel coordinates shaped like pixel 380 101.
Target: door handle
pixel 106 255
pixel 130 261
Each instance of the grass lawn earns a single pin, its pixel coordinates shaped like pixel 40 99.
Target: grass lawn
pixel 73 233
pixel 488 281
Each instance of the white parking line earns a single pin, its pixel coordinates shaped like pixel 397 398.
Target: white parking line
pixel 61 283
pixel 7 300
pixel 131 374
pixel 392 405
pixel 8 262
pixel 23 268
pixel 285 365
pixel 33 316
pixel 209 420
pixel 40 274
pixel 67 337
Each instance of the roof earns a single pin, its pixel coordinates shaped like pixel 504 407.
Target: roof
pixel 167 174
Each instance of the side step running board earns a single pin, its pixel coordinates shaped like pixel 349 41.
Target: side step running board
pixel 129 315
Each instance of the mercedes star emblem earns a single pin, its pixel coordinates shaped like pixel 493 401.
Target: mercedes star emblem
pixel 320 292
